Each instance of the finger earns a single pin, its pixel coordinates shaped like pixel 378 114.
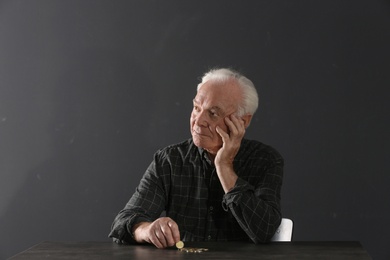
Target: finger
pixel 222 133
pixel 164 239
pixel 232 128
pixel 234 124
pixel 175 231
pixel 238 123
pixel 156 235
pixel 154 239
pixel 167 232
pixel 237 126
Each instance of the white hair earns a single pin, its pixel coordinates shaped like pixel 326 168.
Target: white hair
pixel 250 100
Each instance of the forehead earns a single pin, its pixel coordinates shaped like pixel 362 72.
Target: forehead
pixel 224 95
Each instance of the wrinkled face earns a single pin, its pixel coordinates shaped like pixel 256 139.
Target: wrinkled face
pixel 213 102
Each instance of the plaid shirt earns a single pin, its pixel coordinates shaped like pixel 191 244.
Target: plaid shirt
pixel 183 182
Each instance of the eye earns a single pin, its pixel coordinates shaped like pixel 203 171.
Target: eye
pixel 213 113
pixel 196 108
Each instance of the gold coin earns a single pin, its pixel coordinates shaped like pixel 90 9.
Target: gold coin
pixel 179 244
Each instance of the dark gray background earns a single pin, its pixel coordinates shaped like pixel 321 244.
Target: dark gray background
pixel 89 90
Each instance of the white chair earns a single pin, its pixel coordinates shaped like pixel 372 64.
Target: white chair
pixel 284 231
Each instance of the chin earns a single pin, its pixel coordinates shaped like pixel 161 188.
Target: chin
pixel 204 145
pixel 197 142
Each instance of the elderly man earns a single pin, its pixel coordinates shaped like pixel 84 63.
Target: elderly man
pixel 215 186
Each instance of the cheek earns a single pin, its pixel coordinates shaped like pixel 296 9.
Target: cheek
pixel 192 119
pixel 222 125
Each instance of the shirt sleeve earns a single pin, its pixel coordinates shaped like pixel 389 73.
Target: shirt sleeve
pixel 146 205
pixel 256 207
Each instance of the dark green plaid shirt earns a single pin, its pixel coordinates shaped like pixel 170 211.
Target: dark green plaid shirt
pixel 183 182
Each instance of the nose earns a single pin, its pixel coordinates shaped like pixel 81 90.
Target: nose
pixel 200 119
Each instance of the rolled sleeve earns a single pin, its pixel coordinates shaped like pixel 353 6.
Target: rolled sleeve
pixel 233 197
pixel 121 230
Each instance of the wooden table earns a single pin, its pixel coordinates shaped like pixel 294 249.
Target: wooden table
pixel 217 250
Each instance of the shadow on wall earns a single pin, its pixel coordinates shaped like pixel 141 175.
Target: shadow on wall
pixel 95 130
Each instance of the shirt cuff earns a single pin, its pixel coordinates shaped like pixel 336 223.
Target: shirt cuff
pixel 121 232
pixel 233 197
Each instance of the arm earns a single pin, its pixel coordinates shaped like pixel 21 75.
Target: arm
pixel 256 207
pixel 230 146
pixel 139 221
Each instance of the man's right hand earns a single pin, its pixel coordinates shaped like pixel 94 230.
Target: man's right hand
pixel 163 232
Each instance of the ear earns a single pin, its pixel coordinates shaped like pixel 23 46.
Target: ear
pixel 247 120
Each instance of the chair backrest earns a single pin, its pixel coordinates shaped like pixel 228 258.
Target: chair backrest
pixel 284 231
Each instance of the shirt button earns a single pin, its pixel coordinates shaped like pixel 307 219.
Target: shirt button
pixel 211 208
pixel 209 237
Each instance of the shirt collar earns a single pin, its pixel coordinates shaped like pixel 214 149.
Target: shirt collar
pixel 204 155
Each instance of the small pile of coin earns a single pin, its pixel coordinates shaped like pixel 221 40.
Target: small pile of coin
pixel 193 250
pixel 180 247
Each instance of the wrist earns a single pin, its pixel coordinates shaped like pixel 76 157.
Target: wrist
pixel 224 164
pixel 137 231
pixel 227 177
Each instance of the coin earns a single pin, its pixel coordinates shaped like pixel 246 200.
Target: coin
pixel 193 250
pixel 179 244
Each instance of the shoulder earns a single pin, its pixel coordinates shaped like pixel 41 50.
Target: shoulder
pixel 253 148
pixel 183 149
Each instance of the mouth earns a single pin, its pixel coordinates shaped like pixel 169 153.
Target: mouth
pixel 194 132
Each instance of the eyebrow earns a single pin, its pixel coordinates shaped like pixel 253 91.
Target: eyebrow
pixel 217 108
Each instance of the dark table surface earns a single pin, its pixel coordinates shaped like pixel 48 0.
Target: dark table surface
pixel 217 250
